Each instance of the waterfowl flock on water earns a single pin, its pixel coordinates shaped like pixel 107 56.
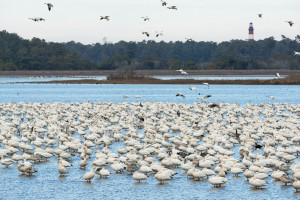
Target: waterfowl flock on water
pixel 256 142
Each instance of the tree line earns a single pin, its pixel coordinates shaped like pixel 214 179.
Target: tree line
pixel 36 54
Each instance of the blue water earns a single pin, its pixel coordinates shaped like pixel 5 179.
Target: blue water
pixel 47 184
pixel 240 94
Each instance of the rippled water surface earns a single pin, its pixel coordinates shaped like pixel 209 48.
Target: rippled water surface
pixel 165 93
pixel 46 184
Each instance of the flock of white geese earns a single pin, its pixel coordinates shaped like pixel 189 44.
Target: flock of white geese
pixel 154 140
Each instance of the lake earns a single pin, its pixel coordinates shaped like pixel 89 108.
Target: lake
pixel 47 184
pixel 240 94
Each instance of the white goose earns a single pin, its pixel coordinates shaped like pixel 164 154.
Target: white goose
pixel 296 184
pixel 61 169
pixel 257 183
pixel 89 175
pixel 139 176
pixel 217 181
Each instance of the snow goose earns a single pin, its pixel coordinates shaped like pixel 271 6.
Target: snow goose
pixel 139 176
pixel 296 184
pixel 89 175
pixel 257 183
pixel 217 181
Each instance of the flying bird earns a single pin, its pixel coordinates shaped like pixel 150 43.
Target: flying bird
pixel 158 34
pixel 179 70
pixel 34 19
pixel 146 18
pixel 204 98
pixel 163 3
pixel 189 39
pixel 271 97
pixel 192 88
pixel 184 73
pixel 104 17
pixel 172 7
pixel 49 6
pixel 37 19
pixel 206 84
pixel 296 53
pixel 290 23
pixel 260 15
pixel 181 95
pixel 146 33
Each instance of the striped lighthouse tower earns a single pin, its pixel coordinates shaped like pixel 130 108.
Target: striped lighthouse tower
pixel 251 32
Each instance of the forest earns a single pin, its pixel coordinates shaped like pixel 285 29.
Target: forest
pixel 17 53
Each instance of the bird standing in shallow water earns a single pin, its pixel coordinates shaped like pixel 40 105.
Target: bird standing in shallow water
pixel 89 175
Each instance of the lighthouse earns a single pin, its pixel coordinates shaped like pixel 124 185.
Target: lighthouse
pixel 251 32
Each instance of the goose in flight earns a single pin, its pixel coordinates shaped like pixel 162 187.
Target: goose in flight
pixel 158 34
pixel 296 53
pixel 49 6
pixel 290 23
pixel 146 33
pixel 260 15
pixel 104 17
pixel 163 3
pixel 204 98
pixel 34 19
pixel 181 95
pixel 172 7
pixel 271 97
pixel 206 84
pixel 184 73
pixel 37 19
pixel 192 88
pixel 179 70
pixel 146 18
pixel 277 75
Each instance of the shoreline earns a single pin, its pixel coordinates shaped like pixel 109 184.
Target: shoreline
pixel 293 77
pixel 283 81
pixel 146 72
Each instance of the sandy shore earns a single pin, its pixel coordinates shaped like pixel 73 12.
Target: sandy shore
pixel 147 72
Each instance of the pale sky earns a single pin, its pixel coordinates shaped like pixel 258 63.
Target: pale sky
pixel 201 20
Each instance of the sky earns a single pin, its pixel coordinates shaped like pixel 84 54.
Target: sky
pixel 201 20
